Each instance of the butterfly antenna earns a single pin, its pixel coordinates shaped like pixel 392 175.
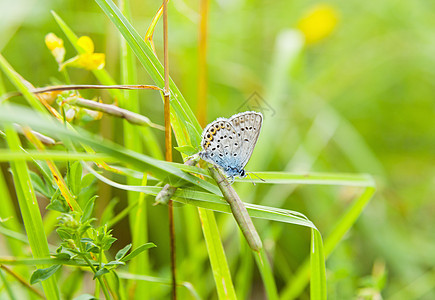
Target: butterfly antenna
pixel 255 176
pixel 250 178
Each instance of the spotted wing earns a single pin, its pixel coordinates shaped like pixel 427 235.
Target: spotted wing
pixel 218 140
pixel 247 126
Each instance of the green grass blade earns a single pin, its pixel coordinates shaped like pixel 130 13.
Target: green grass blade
pixel 312 178
pixel 266 274
pixel 7 286
pixel 318 271
pixel 30 212
pixel 150 62
pixel 216 203
pixel 7 213
pixel 157 168
pixel 221 272
pixel 297 285
pixel 16 79
pixel 138 216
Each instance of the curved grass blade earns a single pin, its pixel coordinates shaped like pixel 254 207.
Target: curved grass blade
pixel 317 263
pixel 156 168
pixel 216 203
pixel 311 178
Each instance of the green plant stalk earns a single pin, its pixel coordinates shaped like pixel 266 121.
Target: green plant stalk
pixel 301 278
pixel 100 280
pixel 16 80
pixel 14 261
pixel 7 212
pixel 318 270
pixel 151 63
pixel 7 286
pixel 138 215
pixel 30 212
pixel 245 271
pixel 24 282
pixel 30 155
pixel 266 274
pixel 221 272
pixel 238 209
pixel 140 264
pixel 14 240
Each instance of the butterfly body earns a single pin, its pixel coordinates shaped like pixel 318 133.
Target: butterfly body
pixel 229 143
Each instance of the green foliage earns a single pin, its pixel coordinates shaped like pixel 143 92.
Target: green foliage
pixel 338 104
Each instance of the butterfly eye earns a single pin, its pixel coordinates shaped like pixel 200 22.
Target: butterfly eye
pixel 216 126
pixel 212 130
pixel 222 125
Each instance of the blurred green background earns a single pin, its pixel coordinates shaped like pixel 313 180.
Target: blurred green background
pixel 345 86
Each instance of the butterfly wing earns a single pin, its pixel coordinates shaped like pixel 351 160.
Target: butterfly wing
pixel 247 126
pixel 218 141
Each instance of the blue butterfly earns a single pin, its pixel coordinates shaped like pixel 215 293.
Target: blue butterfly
pixel 229 143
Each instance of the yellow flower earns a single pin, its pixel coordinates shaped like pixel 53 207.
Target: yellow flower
pixel 318 23
pixel 55 45
pixel 87 60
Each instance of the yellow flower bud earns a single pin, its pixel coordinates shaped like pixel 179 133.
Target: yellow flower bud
pixel 86 44
pixel 318 23
pixel 55 45
pixel 88 60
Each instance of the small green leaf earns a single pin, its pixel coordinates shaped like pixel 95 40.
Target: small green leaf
pixel 75 177
pixel 194 135
pixel 63 255
pixel 39 184
pixel 63 233
pixel 87 180
pixel 187 149
pixel 121 253
pixel 87 212
pixel 58 204
pixel 43 274
pixel 138 250
pixel 85 297
pixel 107 242
pixel 100 272
pixel 114 263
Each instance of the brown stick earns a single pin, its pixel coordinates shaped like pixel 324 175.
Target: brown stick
pixel 22 281
pixel 202 63
pixel 168 144
pixel 60 88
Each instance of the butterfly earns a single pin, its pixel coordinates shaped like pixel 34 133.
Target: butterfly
pixel 229 143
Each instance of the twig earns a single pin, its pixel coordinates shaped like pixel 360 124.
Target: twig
pixel 202 63
pixel 168 144
pixel 113 110
pixel 22 281
pixel 93 87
